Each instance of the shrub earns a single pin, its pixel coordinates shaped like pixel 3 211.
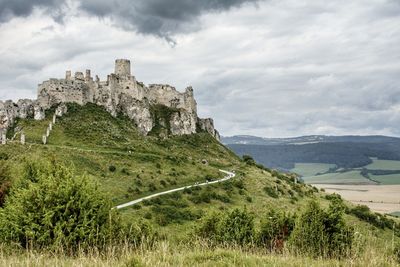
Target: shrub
pixel 322 233
pixel 248 160
pixel 364 213
pixel 57 210
pixel 396 252
pixel 271 192
pixel 3 156
pixel 207 196
pixel 5 181
pixel 152 187
pixel 208 228
pixel 125 171
pixel 275 230
pixel 170 214
pixel 238 183
pixel 235 227
pixel 112 168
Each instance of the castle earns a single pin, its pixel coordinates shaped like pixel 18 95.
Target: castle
pixel 120 93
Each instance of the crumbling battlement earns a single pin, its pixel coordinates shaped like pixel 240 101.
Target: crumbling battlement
pixel 121 92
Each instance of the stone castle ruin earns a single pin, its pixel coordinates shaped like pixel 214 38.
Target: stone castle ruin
pixel 120 93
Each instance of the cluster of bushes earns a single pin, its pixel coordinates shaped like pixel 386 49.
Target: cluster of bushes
pixel 207 196
pixel 271 191
pixel 50 207
pixel 250 161
pixel 171 208
pixel 364 213
pixel 235 227
pixel 5 181
pixel 396 252
pixel 315 232
pixel 198 196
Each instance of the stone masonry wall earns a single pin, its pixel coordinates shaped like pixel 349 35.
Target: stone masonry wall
pixel 119 93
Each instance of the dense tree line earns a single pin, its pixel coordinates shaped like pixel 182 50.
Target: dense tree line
pixel 343 154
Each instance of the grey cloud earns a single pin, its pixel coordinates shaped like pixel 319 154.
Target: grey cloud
pixel 23 8
pixel 162 18
pixel 286 68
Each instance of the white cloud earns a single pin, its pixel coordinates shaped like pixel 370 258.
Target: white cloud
pixel 284 68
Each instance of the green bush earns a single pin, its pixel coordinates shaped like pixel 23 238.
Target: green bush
pixel 322 233
pixel 125 171
pixel 152 187
pixel 112 168
pixel 3 156
pixel 364 213
pixel 52 208
pixel 5 181
pixel 235 227
pixel 396 252
pixel 169 214
pixel 207 196
pixel 275 230
pixel 271 191
pixel 248 160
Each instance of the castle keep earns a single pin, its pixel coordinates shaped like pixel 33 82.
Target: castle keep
pixel 120 93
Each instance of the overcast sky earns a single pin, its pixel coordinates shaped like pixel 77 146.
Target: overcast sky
pixel 267 68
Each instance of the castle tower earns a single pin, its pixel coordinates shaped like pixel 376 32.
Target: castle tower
pixel 87 76
pixel 122 67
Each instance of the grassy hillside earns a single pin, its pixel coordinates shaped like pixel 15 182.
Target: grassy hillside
pixel 127 166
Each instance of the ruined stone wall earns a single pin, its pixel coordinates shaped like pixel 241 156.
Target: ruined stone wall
pixel 121 92
pixel 167 95
pixel 24 108
pixel 56 91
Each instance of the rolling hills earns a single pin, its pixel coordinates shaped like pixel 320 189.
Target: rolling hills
pixel 126 166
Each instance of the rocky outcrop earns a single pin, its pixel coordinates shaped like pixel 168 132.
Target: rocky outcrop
pixel 120 93
pixel 182 123
pixel 207 125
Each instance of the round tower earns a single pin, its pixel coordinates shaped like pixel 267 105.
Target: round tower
pixel 122 67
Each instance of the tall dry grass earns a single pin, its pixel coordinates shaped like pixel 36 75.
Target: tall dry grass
pixel 367 251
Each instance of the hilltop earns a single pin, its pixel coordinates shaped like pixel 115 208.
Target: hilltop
pixel 86 146
pixel 122 94
pixel 127 165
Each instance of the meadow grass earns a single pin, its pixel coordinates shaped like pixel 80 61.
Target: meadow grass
pixel 196 253
pixel 379 164
pixel 311 169
pixel 350 177
pixel 127 166
pixel 388 179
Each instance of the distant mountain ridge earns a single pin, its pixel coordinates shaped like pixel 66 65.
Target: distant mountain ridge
pixel 343 151
pixel 308 139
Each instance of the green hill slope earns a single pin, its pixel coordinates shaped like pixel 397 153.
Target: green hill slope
pixel 127 166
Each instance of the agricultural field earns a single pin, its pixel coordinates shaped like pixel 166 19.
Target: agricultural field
pixel 396 213
pixel 379 198
pixel 389 179
pixel 350 177
pixel 379 164
pixel 383 172
pixel 311 169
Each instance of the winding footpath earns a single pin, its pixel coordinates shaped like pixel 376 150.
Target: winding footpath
pixel 229 175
